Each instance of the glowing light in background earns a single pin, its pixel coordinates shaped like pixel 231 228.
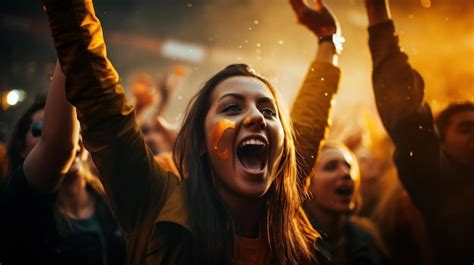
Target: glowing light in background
pixel 184 51
pixel 12 98
pixel 425 3
pixel 15 96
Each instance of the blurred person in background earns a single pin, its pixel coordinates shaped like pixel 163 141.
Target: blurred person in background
pixel 435 169
pixel 334 190
pixel 455 126
pixel 54 211
pixel 150 102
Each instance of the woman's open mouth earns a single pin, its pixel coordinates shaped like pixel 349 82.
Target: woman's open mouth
pixel 253 154
pixel 345 191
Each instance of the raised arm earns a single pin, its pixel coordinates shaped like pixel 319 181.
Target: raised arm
pixel 377 11
pixel 398 90
pixel 311 109
pixel 135 185
pixel 50 159
pixel 398 87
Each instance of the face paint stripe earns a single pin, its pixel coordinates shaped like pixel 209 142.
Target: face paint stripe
pixel 217 134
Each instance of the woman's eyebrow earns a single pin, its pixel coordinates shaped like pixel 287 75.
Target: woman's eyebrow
pixel 234 95
pixel 265 100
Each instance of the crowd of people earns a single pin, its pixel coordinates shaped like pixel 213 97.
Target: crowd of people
pixel 90 177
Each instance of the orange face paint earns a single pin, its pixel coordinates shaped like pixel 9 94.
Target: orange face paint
pixel 216 136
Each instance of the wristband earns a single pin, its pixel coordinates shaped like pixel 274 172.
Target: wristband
pixel 336 39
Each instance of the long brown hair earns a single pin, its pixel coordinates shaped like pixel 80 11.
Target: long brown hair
pixel 289 236
pixel 17 143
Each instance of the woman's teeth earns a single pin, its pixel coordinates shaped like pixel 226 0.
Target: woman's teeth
pixel 252 142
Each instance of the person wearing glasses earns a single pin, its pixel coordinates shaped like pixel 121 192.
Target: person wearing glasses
pixel 53 210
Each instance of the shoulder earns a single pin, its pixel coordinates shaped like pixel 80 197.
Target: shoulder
pixel 18 185
pixel 363 233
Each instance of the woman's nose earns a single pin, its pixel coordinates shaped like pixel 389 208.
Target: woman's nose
pixel 345 172
pixel 255 120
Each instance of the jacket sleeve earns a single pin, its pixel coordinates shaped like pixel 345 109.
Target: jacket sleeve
pixel 310 113
pixel 136 186
pixel 398 90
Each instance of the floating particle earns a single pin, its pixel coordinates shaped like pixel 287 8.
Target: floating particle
pixel 190 5
pixel 250 28
pixel 280 42
pixel 258 45
pixel 256 22
pixel 426 3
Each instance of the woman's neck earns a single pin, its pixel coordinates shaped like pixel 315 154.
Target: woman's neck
pixel 247 213
pixel 74 199
pixel 330 222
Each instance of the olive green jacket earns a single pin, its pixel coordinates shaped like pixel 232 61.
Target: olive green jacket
pixel 148 201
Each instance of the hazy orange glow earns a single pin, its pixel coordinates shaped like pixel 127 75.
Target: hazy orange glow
pixel 439 41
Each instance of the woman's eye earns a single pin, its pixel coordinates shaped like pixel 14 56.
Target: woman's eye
pixel 268 112
pixel 331 166
pixel 232 108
